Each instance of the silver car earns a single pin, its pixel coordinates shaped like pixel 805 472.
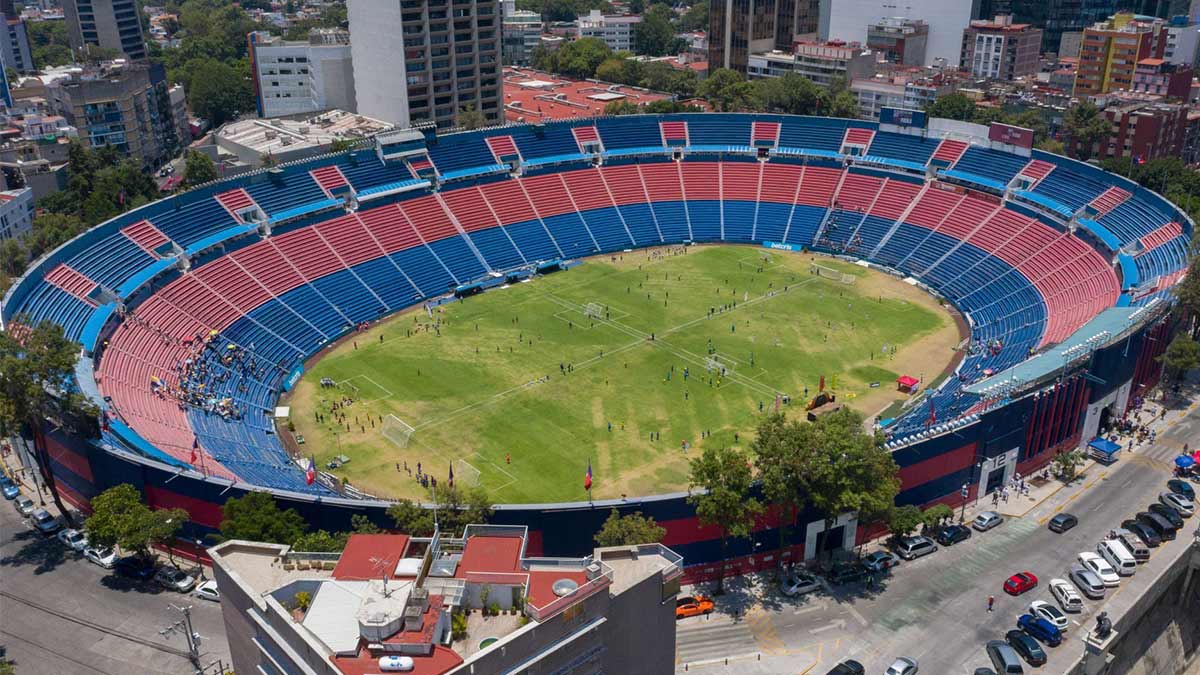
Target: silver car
pixel 915 547
pixel 902 666
pixel 24 505
pixel 1087 581
pixel 987 520
pixel 1180 503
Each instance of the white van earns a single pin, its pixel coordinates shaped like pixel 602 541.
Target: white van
pixel 1118 556
pixel 1137 547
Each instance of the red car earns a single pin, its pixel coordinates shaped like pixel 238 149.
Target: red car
pixel 1020 582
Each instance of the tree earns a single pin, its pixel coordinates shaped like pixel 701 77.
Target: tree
pixel 470 118
pixel 458 507
pixel 37 372
pixel 620 69
pixel 952 107
pixel 629 530
pixel 1188 289
pixel 1085 125
pixel 320 542
pixel 256 517
pixel 727 90
pixel 792 94
pixel 1066 465
pixel 198 169
pixel 558 10
pixel 842 104
pixel 49 44
pixel 695 18
pixel 654 35
pixel 218 92
pixel 582 57
pixel 361 524
pixel 936 516
pixel 722 478
pixel 1182 355
pixel 661 76
pixel 776 447
pixel 902 520
pixel 120 518
pixel 411 518
pixel 621 107
pixel 12 258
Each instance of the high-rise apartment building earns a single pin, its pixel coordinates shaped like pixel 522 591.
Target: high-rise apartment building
pixel 738 28
pixel 1001 49
pixel 848 20
pixel 450 61
pixel 819 62
pixel 902 41
pixel 302 77
pixel 616 30
pixel 522 33
pixel 1054 17
pixel 1111 50
pixel 1183 41
pixel 110 24
pixel 1141 130
pixel 14 41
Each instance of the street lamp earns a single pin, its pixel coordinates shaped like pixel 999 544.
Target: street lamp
pixel 964 492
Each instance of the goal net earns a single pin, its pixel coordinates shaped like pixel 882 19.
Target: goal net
pixel 830 273
pixel 397 431
pixel 465 475
pixel 593 310
pixel 719 365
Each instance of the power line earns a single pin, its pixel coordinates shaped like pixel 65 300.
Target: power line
pixel 96 626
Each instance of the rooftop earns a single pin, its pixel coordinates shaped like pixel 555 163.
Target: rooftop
pixel 532 96
pixel 287 135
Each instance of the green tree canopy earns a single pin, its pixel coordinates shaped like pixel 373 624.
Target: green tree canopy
pixel 320 541
pixel 582 57
pixel 661 76
pixel 256 517
pixel 621 108
pixel 952 107
pixel 1181 355
pixel 629 530
pixel 411 518
pixel 792 94
pixel 903 520
pixel 198 169
pixel 936 516
pixel 620 69
pixel 1086 126
pixel 219 92
pixel 49 44
pixel 720 491
pixel 119 518
pixel 470 118
pixel 727 90
pixel 654 35
pixel 776 449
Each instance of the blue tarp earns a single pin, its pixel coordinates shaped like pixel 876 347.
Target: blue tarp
pixel 968 177
pixel 1104 446
pixel 1130 276
pixel 305 209
pixel 143 277
pixel 95 323
pixel 1102 233
pixel 1046 202
pixel 220 237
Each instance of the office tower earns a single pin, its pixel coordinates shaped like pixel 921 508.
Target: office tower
pixel 109 24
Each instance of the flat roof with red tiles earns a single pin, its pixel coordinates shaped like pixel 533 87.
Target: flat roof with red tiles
pixel 535 96
pixel 498 559
pixel 361 559
pixel 440 660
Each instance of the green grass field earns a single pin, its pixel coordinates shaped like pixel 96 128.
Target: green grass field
pixel 485 384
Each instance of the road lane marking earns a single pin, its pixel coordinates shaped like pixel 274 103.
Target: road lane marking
pixel 840 623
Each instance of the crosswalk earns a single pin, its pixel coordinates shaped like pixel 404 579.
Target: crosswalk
pixel 717 637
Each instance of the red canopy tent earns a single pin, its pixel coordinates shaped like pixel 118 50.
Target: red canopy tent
pixel 907 383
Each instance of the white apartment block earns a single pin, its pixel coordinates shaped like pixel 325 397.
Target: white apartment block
pixel 1183 44
pixel 614 31
pixel 16 213
pixel 300 78
pixel 848 20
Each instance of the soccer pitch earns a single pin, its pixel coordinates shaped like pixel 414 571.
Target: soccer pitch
pixel 620 362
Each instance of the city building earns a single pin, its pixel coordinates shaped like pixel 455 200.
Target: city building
pixel 255 141
pixel 14 41
pixel 126 105
pixel 1054 17
pixel 1000 49
pixel 615 30
pixel 1069 44
pixel 109 24
pixel 1142 128
pixel 739 28
pixel 1191 142
pixel 848 20
pixel 1183 41
pixel 532 96
pixel 521 34
pixel 1111 50
pixel 450 64
pixel 16 213
pixel 900 40
pixel 447 605
pixel 302 77
pixel 1168 80
pixel 911 89
pixel 820 62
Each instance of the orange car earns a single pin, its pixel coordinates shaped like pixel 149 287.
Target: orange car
pixel 692 605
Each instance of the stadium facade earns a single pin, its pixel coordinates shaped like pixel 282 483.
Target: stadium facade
pixel 1063 272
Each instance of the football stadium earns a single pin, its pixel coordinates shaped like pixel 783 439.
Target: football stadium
pixel 529 307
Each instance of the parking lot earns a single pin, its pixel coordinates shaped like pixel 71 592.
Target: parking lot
pixel 61 615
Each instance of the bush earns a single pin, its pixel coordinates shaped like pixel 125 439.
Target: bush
pixel 494 609
pixel 302 600
pixel 458 626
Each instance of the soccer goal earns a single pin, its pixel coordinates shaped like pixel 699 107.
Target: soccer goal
pixel 593 310
pixel 720 365
pixel 830 273
pixel 465 474
pixel 397 431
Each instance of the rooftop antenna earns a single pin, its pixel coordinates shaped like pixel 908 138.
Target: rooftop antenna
pixel 381 566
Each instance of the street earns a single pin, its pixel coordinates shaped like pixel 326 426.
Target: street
pixel 61 615
pixel 934 609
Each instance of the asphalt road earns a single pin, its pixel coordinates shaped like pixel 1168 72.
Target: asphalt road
pixel 61 615
pixel 934 609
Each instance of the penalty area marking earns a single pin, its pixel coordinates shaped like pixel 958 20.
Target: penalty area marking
pixel 386 393
pixel 580 318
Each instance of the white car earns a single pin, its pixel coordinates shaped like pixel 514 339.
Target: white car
pixel 73 539
pixel 1100 567
pixel 1066 595
pixel 208 591
pixel 902 666
pixel 1044 610
pixel 102 556
pixel 799 583
pixel 1180 503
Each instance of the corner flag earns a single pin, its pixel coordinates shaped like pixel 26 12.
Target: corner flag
pixel 587 479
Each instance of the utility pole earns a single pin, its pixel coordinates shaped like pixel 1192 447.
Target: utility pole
pixel 193 638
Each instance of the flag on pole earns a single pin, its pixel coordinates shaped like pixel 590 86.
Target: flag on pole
pixel 932 414
pixel 451 480
pixel 311 474
pixel 587 479
pixel 195 450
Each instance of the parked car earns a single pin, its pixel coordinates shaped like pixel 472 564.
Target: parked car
pixel 1171 514
pixel 1087 581
pixel 798 583
pixel 44 522
pixel 902 666
pixel 102 556
pixel 847 573
pixel 1004 658
pixel 175 579
pixel 954 534
pixel 911 548
pixel 848 667
pixel 1027 647
pixel 1020 582
pixel 10 489
pixel 1044 610
pixel 1066 596
pixel 1180 502
pixel 24 505
pixel 987 520
pixel 1062 522
pixel 1182 487
pixel 1142 531
pixel 1041 629
pixel 73 539
pixel 693 605
pixel 1100 567
pixel 1161 526
pixel 134 567
pixel 208 591
pixel 880 561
